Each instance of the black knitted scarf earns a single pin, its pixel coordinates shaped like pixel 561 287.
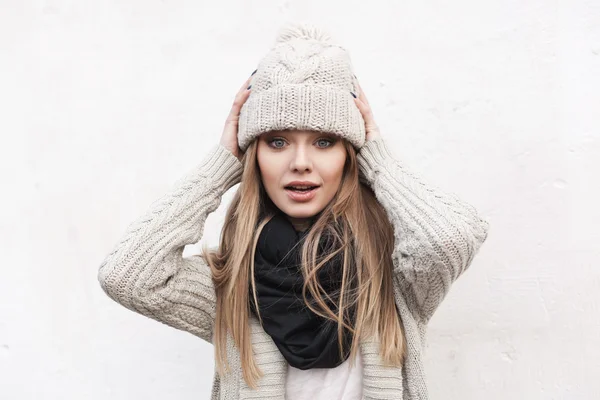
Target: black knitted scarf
pixel 305 339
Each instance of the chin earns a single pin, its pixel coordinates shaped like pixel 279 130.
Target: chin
pixel 301 210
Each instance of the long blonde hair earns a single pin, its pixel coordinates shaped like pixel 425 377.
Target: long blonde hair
pixel 363 232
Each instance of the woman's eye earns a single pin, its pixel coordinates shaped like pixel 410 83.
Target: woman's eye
pixel 326 141
pixel 329 142
pixel 275 140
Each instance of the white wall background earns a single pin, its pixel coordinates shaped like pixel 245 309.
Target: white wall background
pixel 104 104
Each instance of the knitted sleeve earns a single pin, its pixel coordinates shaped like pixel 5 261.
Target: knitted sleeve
pixel 146 273
pixel 436 233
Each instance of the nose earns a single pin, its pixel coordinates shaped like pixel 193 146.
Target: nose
pixel 301 159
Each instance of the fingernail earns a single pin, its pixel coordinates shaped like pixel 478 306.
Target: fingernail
pixel 353 94
pixel 254 72
pixel 248 88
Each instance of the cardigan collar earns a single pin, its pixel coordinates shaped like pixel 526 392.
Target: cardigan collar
pixel 271 386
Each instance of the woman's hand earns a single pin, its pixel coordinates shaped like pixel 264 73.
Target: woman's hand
pixel 372 130
pixel 230 131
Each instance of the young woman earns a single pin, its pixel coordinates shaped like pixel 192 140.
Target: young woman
pixel 333 256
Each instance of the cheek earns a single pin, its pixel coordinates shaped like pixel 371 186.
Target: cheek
pixel 268 169
pixel 333 169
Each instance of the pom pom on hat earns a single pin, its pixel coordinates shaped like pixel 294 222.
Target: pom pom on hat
pixel 295 30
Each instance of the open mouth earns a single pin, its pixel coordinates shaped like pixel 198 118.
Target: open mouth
pixel 302 193
pixel 301 189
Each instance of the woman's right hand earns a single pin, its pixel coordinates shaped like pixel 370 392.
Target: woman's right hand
pixel 230 131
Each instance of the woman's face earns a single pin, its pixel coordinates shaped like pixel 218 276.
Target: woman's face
pixel 298 155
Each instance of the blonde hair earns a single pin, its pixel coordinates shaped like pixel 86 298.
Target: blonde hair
pixel 365 236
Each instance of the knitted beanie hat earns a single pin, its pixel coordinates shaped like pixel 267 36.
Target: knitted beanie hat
pixel 304 82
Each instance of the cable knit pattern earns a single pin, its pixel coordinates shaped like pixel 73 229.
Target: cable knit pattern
pixel 436 233
pixel 146 271
pixel 305 81
pixel 436 237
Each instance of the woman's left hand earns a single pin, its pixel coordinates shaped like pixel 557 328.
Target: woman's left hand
pixel 372 130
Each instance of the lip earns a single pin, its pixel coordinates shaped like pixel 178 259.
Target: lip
pixel 302 197
pixel 301 183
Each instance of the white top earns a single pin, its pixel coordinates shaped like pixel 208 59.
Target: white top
pixel 339 383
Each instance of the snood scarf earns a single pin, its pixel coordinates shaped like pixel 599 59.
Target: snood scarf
pixel 305 339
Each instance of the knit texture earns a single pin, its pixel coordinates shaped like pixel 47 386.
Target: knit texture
pixel 436 237
pixel 304 82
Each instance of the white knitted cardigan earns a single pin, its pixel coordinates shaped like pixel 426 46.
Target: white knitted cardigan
pixel 436 237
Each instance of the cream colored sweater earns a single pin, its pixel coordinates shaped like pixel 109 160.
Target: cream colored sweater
pixel 437 236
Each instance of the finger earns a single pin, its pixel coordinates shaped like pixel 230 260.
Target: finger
pixel 240 98
pixel 363 98
pixel 245 84
pixel 237 105
pixel 362 106
pixel 365 110
pixel 361 94
pixel 242 93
